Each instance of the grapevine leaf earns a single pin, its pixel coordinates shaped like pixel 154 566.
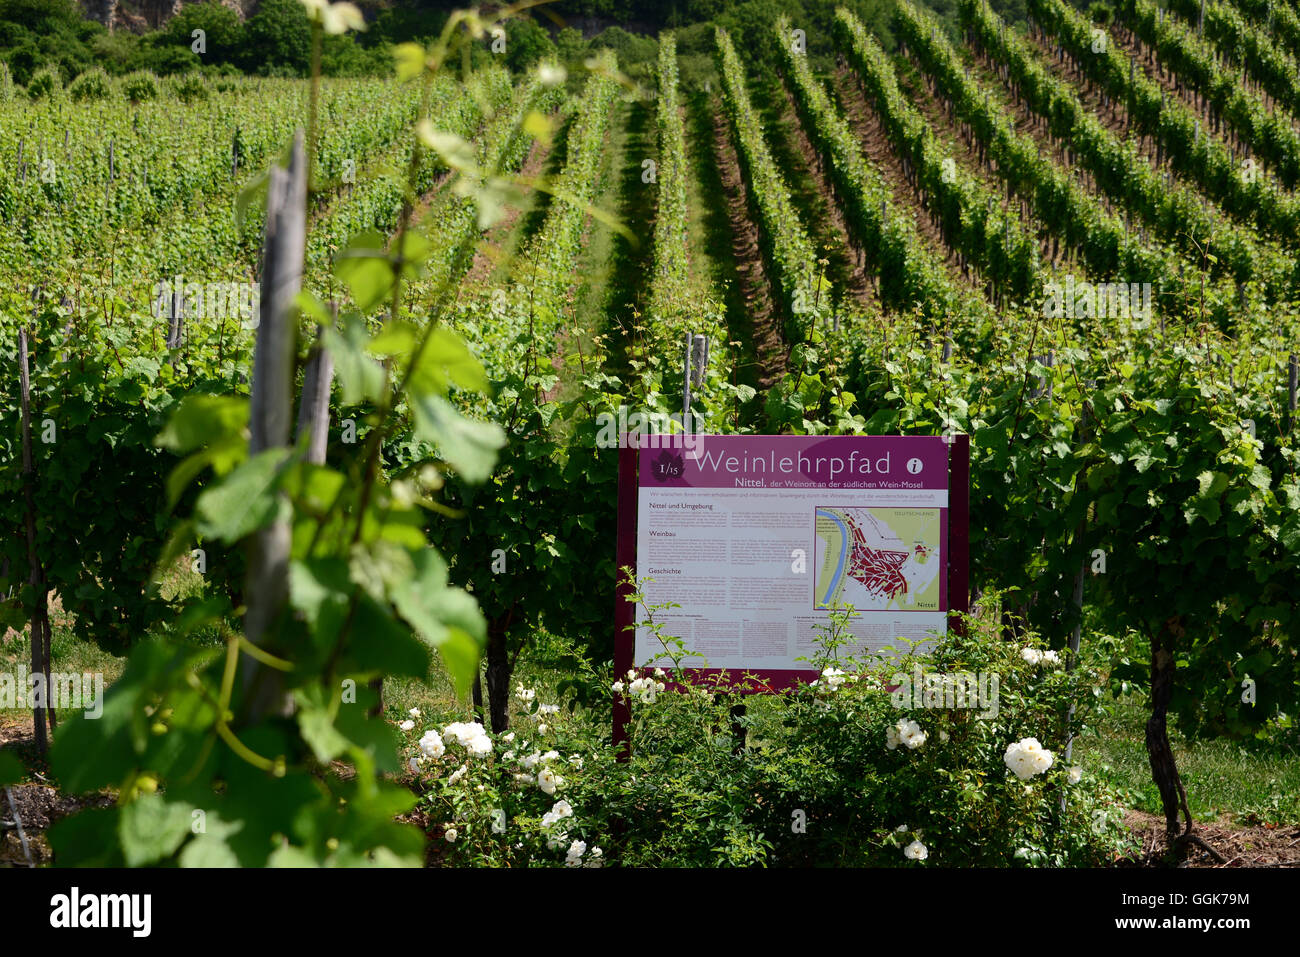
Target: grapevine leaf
pixel 468 445
pixel 243 501
pixel 152 828
pixel 361 378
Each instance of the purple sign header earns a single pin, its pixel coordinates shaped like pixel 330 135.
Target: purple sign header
pixel 906 462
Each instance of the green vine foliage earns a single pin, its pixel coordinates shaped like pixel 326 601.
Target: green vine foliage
pixel 235 753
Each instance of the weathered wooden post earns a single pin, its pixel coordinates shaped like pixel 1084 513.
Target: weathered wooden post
pixel 314 406
pixel 267 585
pixel 1292 368
pixel 37 628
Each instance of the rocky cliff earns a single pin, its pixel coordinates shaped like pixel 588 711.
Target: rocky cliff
pixel 141 15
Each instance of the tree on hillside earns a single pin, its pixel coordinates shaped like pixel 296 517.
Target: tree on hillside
pixel 37 33
pixel 277 39
pixel 222 31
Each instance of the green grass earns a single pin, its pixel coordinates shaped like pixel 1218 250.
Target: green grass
pixel 1223 779
pixel 436 699
pixel 68 654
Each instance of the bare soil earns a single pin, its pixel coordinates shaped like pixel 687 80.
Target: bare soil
pixel 1267 845
pixel 751 273
pixel 876 146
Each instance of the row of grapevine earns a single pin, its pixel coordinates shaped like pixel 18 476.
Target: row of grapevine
pixel 551 491
pixel 973 221
pixel 805 293
pixel 1108 249
pixel 1268 132
pixel 455 220
pixel 85 175
pixel 910 274
pixel 208 249
pixel 1176 213
pixel 1277 18
pixel 1241 42
pixel 1172 126
pixel 681 301
pixel 376 201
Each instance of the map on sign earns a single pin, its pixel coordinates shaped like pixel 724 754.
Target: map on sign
pixel 877 559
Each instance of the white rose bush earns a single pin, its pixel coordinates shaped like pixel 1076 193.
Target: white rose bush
pixel 973 791
pixel 831 773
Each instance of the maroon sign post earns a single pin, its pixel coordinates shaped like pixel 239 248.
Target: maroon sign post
pixel 758 537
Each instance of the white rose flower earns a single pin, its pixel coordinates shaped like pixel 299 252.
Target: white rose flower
pixel 549 781
pixel 451 834
pixel 573 858
pixel 834 678
pixel 1026 758
pixel 407 725
pixel 916 851
pixel 1031 655
pixel 524 694
pixel 558 812
pixel 1076 774
pixel 906 732
pixel 463 733
pixel 479 746
pixel 458 774
pixel 617 687
pixel 414 712
pixel 431 744
pixel 1051 657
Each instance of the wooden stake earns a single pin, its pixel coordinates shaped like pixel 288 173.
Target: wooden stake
pixel 36 629
pixel 314 406
pixel 271 409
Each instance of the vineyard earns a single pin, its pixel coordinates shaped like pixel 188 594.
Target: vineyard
pixel 305 429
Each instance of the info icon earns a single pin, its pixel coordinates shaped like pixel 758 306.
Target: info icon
pixel 914 465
